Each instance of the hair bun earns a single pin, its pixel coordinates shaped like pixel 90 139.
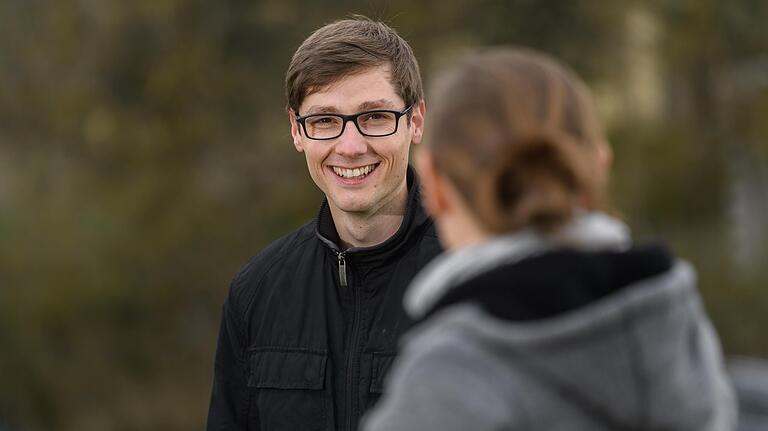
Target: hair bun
pixel 539 182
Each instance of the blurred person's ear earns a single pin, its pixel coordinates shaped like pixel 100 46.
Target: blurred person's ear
pixel 295 131
pixel 593 197
pixel 604 166
pixel 432 185
pixel 457 225
pixel 605 157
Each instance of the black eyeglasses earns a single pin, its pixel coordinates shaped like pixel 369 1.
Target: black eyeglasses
pixel 377 123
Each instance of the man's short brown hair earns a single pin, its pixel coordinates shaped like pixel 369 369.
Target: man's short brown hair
pixel 347 47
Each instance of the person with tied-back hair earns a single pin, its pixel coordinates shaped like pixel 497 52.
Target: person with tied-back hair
pixel 542 314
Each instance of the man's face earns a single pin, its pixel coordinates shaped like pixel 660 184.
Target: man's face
pixel 338 166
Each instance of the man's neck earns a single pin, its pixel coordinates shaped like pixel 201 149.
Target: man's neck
pixel 370 229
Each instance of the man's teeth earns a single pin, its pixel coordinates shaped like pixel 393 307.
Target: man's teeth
pixel 353 173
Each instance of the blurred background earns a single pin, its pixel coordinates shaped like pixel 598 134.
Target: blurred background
pixel 145 155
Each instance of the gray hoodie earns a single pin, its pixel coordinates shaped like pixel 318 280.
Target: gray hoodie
pixel 575 331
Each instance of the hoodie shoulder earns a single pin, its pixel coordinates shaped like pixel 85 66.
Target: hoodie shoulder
pixel 441 383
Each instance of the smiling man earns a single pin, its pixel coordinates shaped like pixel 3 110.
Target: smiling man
pixel 311 323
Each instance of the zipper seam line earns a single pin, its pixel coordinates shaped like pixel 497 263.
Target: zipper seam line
pixel 351 353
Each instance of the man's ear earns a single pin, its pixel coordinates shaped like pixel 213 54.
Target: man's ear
pixel 417 121
pixel 295 131
pixel 432 184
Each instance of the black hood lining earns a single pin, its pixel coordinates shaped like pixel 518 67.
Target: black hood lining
pixel 556 282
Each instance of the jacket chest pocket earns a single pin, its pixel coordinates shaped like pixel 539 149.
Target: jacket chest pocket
pixel 288 389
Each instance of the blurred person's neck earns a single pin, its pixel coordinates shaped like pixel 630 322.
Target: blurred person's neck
pixel 457 225
pixel 460 230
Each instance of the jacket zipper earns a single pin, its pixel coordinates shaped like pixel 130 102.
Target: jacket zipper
pixel 353 344
pixel 342 269
pixel 353 363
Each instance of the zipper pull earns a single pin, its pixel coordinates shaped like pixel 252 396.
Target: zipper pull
pixel 342 270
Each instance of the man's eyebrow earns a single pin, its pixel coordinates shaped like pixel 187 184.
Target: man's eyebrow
pixel 368 105
pixel 321 110
pixel 376 104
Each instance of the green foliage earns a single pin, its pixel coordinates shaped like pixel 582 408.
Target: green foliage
pixel 145 154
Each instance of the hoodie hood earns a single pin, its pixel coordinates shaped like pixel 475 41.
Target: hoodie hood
pixel 589 232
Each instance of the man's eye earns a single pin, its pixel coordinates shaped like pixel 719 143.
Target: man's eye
pixel 323 121
pixel 375 116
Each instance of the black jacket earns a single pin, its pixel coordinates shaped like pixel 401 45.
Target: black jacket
pixel 300 349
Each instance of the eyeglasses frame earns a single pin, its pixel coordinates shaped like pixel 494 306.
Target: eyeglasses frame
pixel 353 118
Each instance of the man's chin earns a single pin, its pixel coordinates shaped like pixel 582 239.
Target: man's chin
pixel 350 206
pixel 354 209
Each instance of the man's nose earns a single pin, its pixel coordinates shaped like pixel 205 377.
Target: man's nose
pixel 351 143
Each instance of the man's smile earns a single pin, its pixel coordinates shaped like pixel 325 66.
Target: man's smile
pixel 357 173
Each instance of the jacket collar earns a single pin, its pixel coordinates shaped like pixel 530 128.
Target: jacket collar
pixel 588 231
pixel 414 219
